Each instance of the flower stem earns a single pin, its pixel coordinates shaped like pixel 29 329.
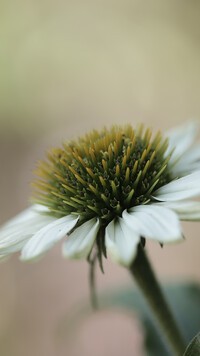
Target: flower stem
pixel 93 295
pixel 142 272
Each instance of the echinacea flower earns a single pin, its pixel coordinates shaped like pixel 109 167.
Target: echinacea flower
pixel 108 190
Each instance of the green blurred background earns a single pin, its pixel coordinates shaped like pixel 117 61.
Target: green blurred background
pixel 67 67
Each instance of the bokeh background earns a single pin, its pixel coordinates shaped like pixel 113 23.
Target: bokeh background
pixel 67 67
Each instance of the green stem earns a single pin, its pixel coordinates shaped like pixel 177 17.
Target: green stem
pixel 93 295
pixel 142 272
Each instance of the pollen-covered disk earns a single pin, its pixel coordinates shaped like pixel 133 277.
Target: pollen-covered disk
pixel 104 173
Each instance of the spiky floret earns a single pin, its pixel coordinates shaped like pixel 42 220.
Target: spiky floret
pixel 103 173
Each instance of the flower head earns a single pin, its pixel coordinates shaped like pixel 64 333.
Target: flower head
pixel 102 174
pixel 107 190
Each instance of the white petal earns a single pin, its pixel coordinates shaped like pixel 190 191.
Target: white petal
pixel 192 155
pixel 155 222
pixel 180 189
pixel 14 234
pixel 181 138
pixel 79 243
pixel 121 242
pixel 47 237
pixel 181 169
pixel 186 210
pixel 188 163
pixel 30 212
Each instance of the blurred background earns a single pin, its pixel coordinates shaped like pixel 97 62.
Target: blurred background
pixel 65 68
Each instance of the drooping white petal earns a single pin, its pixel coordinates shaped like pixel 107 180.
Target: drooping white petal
pixel 79 243
pixel 192 155
pixel 121 241
pixel 15 246
pixel 47 237
pixel 180 189
pixel 181 138
pixel 155 222
pixel 186 210
pixel 15 233
pixel 181 169
pixel 189 162
pixel 25 215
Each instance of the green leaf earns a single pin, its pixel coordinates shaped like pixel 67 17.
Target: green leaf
pixel 184 300
pixel 193 348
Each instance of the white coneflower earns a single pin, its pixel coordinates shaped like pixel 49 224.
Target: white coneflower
pixel 107 190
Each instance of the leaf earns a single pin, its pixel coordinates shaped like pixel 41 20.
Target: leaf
pixel 184 300
pixel 193 348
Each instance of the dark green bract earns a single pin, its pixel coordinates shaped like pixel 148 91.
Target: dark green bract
pixel 103 173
